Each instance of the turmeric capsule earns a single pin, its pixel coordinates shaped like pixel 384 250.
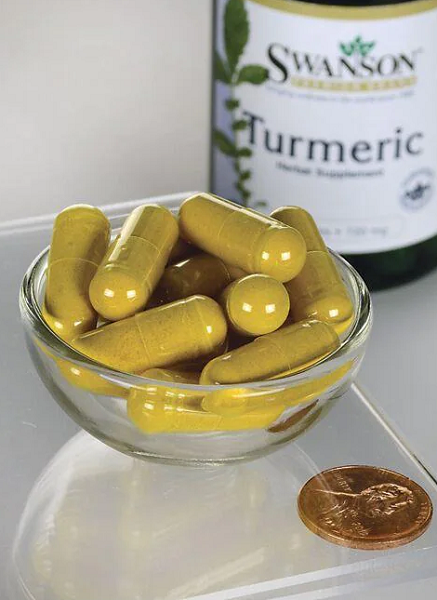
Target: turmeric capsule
pixel 181 251
pixel 156 417
pixel 168 398
pixel 255 304
pixel 79 241
pixel 283 352
pixel 242 237
pixel 300 219
pixel 196 365
pixel 88 380
pixel 239 401
pixel 202 274
pixel 134 264
pixel 172 375
pixel 158 337
pixel 318 292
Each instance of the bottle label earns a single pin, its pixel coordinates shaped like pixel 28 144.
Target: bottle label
pixel 333 109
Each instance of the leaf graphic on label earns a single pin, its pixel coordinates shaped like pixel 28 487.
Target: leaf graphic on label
pixel 224 144
pixel 255 74
pixel 239 125
pixel 240 187
pixel 245 152
pixel 245 175
pixel 347 49
pixel 236 32
pixel 366 47
pixel 232 103
pixel 221 72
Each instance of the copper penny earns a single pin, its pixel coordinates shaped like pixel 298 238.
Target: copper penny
pixel 363 507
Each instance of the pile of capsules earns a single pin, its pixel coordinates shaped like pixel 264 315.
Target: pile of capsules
pixel 220 294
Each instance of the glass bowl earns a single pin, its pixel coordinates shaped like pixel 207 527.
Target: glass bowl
pixel 176 427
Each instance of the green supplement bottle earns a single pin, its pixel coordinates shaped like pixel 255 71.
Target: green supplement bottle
pixel 332 106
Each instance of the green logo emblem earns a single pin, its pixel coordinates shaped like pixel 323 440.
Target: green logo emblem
pixel 357 46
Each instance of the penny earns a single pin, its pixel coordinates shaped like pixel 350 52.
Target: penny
pixel 362 507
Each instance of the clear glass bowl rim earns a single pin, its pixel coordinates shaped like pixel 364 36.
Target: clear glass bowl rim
pixel 31 313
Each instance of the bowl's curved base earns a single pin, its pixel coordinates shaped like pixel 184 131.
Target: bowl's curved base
pixel 186 448
pixel 105 418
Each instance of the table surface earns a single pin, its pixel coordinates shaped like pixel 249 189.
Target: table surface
pixel 397 372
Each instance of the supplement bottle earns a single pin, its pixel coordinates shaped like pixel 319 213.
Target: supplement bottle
pixel 331 106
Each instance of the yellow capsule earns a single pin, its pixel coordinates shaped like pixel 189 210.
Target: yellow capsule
pixel 79 241
pixel 235 272
pixel 242 237
pixel 283 352
pixel 318 292
pixel 156 417
pixel 300 219
pixel 84 378
pixel 134 264
pixel 196 365
pixel 147 396
pixel 181 251
pixel 158 337
pixel 88 380
pixel 201 274
pixel 172 375
pixel 255 304
pixel 238 401
pixel 305 392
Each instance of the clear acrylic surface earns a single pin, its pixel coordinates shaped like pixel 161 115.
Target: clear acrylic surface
pixel 100 524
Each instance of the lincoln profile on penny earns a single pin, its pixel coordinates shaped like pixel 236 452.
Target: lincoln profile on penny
pixel 364 507
pixel 347 510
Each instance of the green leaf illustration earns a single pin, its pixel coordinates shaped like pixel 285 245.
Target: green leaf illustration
pixel 237 167
pixel 236 32
pixel 221 72
pixel 224 144
pixel 255 74
pixel 366 47
pixel 232 103
pixel 347 49
pixel 244 152
pixel 357 46
pixel 239 125
pixel 240 187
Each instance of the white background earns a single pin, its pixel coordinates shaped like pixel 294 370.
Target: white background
pixel 101 101
pixel 106 100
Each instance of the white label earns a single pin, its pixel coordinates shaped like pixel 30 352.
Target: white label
pixel 336 115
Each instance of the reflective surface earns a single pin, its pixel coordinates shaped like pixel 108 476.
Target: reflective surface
pixel 101 525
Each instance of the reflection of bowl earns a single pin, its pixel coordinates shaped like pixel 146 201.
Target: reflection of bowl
pixel 100 526
pixel 180 422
